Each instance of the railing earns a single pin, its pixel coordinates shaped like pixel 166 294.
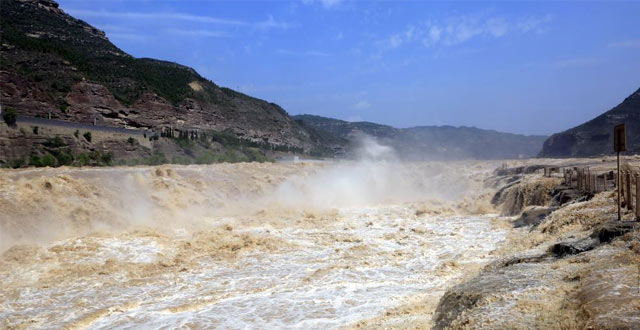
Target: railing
pixel 587 180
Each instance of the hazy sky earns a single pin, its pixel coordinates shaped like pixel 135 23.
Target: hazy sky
pixel 525 67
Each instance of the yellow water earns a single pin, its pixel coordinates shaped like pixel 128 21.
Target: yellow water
pixel 263 246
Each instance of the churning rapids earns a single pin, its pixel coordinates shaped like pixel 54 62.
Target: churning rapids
pixel 232 246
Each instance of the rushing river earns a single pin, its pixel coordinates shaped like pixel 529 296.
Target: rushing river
pixel 199 258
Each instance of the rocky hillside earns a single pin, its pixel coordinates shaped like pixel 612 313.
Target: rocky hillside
pixel 53 65
pixel 434 142
pixel 595 137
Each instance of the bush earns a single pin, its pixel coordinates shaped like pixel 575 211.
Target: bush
pixel 10 116
pixel 35 130
pixel 87 136
pixel 106 159
pixel 14 163
pixel 46 160
pixel 181 160
pixel 206 157
pixel 82 160
pixel 131 140
pixel 64 158
pixel 255 155
pixel 76 134
pixel 156 159
pixel 55 142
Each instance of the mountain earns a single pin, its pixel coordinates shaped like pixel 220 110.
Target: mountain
pixel 434 142
pixel 95 104
pixel 595 137
pixel 53 65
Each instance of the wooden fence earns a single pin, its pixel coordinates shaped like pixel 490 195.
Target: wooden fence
pixel 587 180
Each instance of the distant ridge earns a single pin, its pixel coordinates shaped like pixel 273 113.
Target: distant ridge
pixel 55 65
pixel 434 142
pixel 595 137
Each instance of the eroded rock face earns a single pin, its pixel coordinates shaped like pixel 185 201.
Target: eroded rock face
pixel 75 73
pixel 22 141
pixel 515 196
pixel 580 283
pixel 595 137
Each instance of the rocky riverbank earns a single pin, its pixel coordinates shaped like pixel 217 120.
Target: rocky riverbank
pixel 569 266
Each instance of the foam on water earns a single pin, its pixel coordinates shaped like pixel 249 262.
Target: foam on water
pixel 329 277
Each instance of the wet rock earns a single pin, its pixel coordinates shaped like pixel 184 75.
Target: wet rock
pixel 533 217
pixel 602 234
pixel 515 197
pixel 564 195
pixel 518 170
pixel 606 232
pixel 497 198
pixel 458 306
pixel 563 249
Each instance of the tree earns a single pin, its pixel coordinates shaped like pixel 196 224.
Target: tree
pixel 87 136
pixel 10 116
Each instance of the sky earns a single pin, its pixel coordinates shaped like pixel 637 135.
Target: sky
pixel 521 67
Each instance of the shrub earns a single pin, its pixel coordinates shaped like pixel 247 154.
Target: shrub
pixel 10 116
pixel 14 163
pixel 106 158
pixel 82 160
pixel 46 160
pixel 64 158
pixel 55 142
pixel 206 157
pixel 255 155
pixel 87 136
pixel 35 130
pixel 131 140
pixel 181 160
pixel 156 159
pixel 64 107
pixel 76 134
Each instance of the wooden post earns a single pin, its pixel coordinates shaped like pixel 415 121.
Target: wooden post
pixel 586 179
pixel 637 196
pixel 628 197
pixel 580 178
pixel 619 187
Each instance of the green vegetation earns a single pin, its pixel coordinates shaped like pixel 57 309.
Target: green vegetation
pixel 76 133
pixel 42 161
pixel 14 163
pixel 10 116
pixel 131 140
pixel 125 77
pixel 87 136
pixel 35 130
pixel 64 106
pixel 55 142
pixel 63 157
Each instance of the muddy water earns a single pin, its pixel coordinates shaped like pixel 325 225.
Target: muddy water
pixel 196 247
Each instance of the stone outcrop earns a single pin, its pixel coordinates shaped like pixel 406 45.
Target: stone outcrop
pixel 59 67
pixel 595 137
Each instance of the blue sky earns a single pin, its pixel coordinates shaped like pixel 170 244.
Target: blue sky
pixel 523 67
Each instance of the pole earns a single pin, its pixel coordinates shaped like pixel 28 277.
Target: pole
pixel 627 198
pixel 637 196
pixel 618 186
